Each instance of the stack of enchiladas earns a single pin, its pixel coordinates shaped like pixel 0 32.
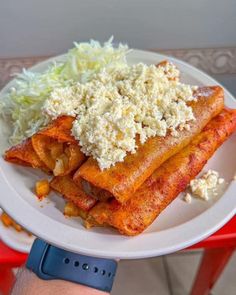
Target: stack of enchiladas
pixel 130 194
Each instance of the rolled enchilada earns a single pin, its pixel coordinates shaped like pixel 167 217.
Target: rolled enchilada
pixel 72 192
pixel 24 154
pixel 122 180
pixel 164 185
pixel 52 149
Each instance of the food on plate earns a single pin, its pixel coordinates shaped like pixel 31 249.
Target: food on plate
pixel 56 147
pixel 42 188
pixel 206 185
pixel 119 108
pixel 123 179
pixel 24 154
pixel 22 105
pixel 164 185
pixel 72 192
pixel 9 222
pixel 53 149
pixel 59 158
pixel 71 210
pixel 187 198
pixel 118 141
pixel 59 130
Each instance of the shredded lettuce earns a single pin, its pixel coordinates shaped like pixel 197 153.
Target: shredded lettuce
pixel 87 59
pixel 22 105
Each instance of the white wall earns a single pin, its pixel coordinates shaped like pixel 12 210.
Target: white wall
pixel 43 27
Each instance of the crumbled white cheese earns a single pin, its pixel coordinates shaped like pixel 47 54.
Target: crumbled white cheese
pixel 170 70
pixel 208 183
pixel 188 198
pixel 221 180
pixel 119 104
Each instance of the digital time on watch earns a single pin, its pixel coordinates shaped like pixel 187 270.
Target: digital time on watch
pixel 49 263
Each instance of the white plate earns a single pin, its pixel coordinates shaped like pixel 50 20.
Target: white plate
pixel 179 226
pixel 19 241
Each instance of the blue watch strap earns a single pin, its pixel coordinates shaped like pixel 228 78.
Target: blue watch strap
pixel 50 263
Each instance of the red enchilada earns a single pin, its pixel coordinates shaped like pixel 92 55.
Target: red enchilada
pixel 122 180
pixel 164 185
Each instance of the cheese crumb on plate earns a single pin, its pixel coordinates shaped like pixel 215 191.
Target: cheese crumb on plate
pixel 188 198
pixel 206 185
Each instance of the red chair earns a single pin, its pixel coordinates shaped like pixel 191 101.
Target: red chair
pixel 9 259
pixel 218 249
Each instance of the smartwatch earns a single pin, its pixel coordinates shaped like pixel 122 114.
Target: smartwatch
pixel 51 263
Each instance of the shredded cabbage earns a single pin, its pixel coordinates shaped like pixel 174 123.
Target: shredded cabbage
pixel 23 103
pixel 87 59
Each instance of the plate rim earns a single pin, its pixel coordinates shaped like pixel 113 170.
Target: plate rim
pixel 215 221
pixel 6 239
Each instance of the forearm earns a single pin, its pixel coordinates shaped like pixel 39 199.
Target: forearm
pixel 29 284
